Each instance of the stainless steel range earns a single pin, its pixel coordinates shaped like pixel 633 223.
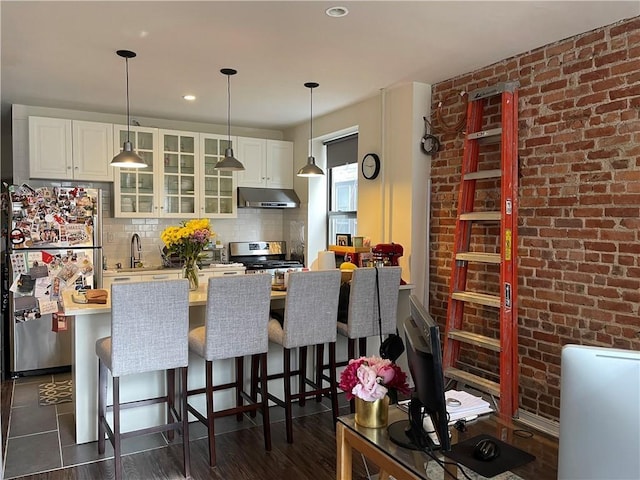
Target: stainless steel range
pixel 264 257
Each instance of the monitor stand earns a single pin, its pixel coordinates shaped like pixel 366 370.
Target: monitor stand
pixel 401 434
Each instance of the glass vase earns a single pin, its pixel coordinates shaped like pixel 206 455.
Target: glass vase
pixel 372 414
pixel 190 272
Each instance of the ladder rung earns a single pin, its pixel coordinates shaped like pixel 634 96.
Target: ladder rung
pixel 497 173
pixel 480 383
pixel 475 297
pixel 479 257
pixel 476 339
pixel 481 216
pixel 482 134
pixel 493 90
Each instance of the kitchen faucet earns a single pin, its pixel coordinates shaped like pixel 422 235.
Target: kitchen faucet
pixel 136 249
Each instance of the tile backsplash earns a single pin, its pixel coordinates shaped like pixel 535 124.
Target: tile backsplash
pixel 251 224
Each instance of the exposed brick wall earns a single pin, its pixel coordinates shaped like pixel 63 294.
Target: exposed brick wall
pixel 579 202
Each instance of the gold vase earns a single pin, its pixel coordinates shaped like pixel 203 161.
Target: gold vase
pixel 372 414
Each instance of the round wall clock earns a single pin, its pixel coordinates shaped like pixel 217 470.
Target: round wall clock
pixel 370 166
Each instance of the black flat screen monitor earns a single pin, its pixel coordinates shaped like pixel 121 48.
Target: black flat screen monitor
pixel 424 354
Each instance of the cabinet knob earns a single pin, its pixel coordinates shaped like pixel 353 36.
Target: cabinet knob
pixel 75 168
pixel 68 168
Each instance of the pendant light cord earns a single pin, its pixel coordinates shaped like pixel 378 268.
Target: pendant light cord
pixel 311 125
pixel 229 109
pixel 126 63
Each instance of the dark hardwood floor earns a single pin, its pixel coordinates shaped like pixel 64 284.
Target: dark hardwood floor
pixel 241 455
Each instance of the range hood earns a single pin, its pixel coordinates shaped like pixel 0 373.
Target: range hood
pixel 267 198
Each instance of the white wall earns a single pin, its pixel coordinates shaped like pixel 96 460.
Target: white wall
pixel 393 207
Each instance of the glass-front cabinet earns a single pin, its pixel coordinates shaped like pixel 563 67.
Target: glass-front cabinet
pixel 218 188
pixel 180 170
pixel 135 190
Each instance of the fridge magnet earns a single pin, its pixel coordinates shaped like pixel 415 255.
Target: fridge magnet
pixel 59 322
pixel 18 263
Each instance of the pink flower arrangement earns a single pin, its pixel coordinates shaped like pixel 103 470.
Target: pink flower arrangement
pixel 370 378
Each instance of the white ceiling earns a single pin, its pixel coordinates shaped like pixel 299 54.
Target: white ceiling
pixel 62 54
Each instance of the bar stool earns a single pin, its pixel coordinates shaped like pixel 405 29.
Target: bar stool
pixel 149 326
pixel 362 312
pixel 236 319
pixel 362 316
pixel 311 307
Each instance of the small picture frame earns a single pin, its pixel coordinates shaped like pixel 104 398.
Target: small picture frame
pixel 358 241
pixel 343 239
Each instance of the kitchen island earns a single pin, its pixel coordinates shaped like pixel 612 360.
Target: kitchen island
pixel 93 321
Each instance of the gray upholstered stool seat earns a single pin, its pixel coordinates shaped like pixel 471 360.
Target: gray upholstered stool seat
pixel 236 318
pixel 149 325
pixel 311 308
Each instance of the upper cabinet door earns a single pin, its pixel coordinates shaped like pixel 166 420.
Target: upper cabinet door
pixel 252 153
pixel 180 171
pixel 218 193
pixel 50 150
pixel 92 151
pixel 136 189
pixel 279 164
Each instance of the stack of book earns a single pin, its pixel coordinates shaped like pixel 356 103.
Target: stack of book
pixel 463 405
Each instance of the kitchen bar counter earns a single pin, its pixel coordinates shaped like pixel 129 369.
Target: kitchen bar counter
pixel 93 321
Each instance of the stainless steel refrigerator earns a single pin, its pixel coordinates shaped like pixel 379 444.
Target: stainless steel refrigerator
pixel 55 243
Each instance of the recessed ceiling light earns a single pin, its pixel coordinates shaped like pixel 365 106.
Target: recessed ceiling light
pixel 189 98
pixel 337 12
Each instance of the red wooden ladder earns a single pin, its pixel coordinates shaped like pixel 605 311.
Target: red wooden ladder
pixel 462 302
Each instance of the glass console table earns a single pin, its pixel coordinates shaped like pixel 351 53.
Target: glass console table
pixel 401 463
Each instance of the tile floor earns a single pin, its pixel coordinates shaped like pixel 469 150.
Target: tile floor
pixel 41 438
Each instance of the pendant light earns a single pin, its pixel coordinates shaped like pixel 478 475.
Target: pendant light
pixel 229 162
pixel 311 169
pixel 127 158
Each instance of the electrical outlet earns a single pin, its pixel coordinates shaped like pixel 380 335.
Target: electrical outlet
pixel 110 237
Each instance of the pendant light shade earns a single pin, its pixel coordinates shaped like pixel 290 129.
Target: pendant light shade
pixel 311 169
pixel 229 163
pixel 127 158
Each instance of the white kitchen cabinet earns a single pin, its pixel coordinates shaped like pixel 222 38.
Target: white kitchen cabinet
pixel 218 193
pixel 180 182
pixel 109 279
pixel 179 173
pixel 70 149
pixel 268 163
pixel 279 164
pixel 136 194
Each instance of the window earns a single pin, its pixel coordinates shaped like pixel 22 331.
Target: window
pixel 342 166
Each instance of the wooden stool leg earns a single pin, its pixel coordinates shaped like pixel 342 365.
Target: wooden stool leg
pixel 332 381
pixel 287 395
pixel 319 369
pixel 302 376
pixel 102 404
pixel 266 424
pixel 171 399
pixel 255 378
pixel 362 347
pixel 210 426
pixel 239 385
pixel 186 454
pixel 351 348
pixel 117 450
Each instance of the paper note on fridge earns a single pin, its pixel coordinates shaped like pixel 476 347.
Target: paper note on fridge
pixel 47 306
